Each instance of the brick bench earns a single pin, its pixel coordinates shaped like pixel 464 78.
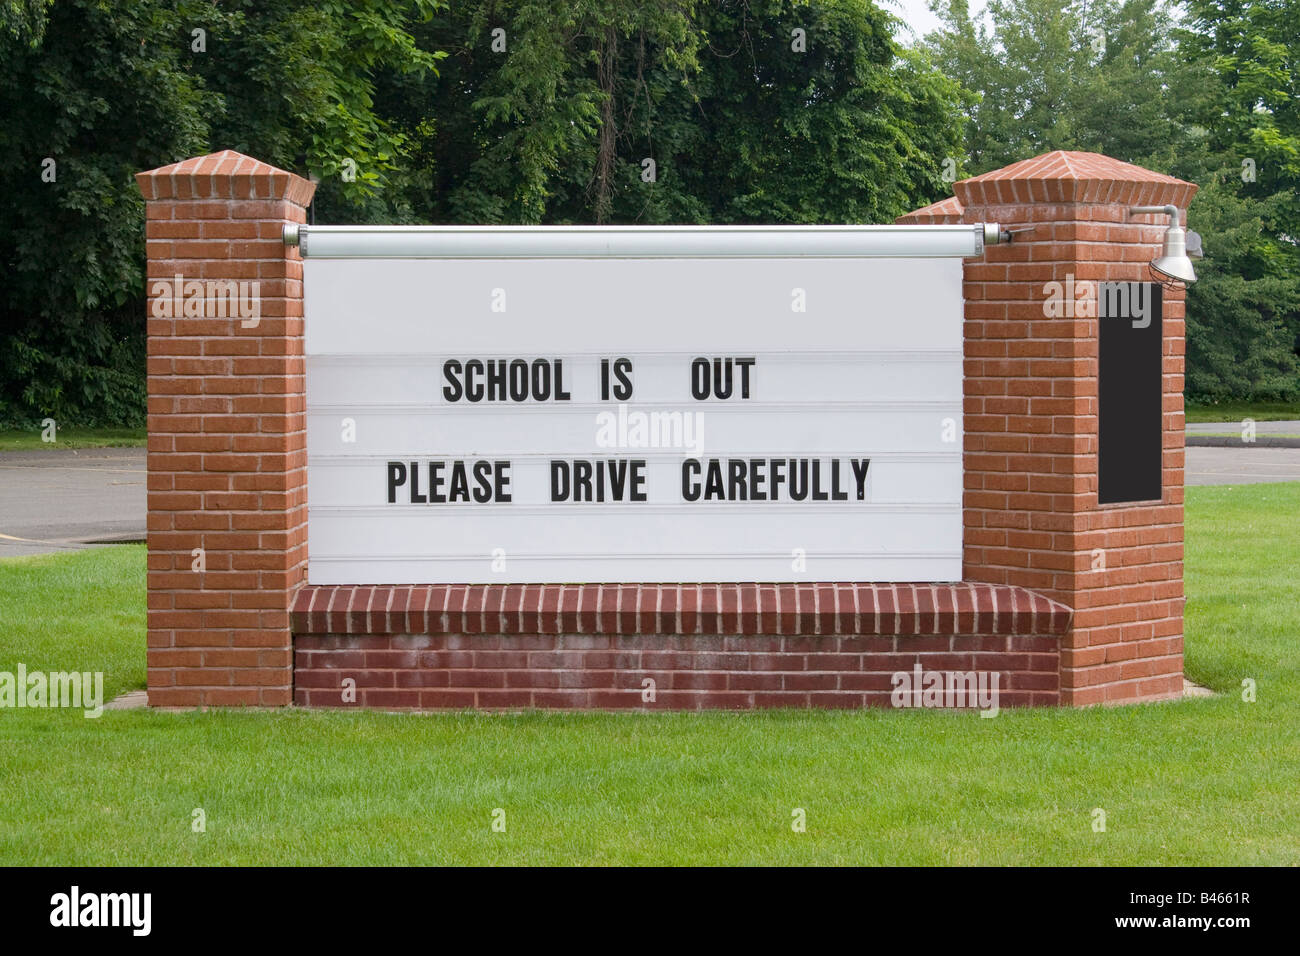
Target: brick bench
pixel 703 646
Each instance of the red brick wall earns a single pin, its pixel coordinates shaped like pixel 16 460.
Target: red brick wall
pixel 227 453
pixel 704 646
pixel 1031 512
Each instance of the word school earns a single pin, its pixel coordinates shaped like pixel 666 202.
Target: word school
pixel 624 479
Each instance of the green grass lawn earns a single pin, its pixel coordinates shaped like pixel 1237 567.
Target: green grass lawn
pixel 1199 781
pixel 13 440
pixel 1236 411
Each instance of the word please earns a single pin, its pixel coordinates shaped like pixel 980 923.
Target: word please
pixel 491 481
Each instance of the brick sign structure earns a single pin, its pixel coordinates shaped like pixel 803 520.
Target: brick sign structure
pixel 1064 599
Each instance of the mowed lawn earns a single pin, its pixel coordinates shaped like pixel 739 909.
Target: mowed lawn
pixel 1199 781
pixel 1236 411
pixel 34 440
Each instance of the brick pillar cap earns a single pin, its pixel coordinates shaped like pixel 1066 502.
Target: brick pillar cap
pixel 224 175
pixel 1067 176
pixel 945 211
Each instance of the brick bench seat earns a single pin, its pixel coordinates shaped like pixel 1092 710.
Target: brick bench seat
pixel 725 609
pixel 699 645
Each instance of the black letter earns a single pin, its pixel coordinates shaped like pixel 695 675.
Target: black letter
pixel 700 387
pixel 744 364
pixel 638 480
pixel 542 380
pixel 560 394
pixel 450 369
pixel 483 477
pixel 623 391
pixel 861 475
pixel 416 497
pixel 436 497
pixel 559 480
pixel 503 481
pixel 690 490
pixel 736 478
pixel 396 477
pixel 473 393
pixel 459 483
pixel 496 380
pixel 518 381
pixel 720 390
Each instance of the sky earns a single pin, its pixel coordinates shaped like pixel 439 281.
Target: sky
pixel 917 15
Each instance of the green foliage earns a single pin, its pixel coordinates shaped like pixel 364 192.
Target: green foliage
pixel 1118 77
pixel 740 125
pixel 1101 76
pixel 554 125
pixel 847 131
pixel 663 111
pixel 297 85
pixel 24 19
pixel 1241 314
pixel 103 90
pixel 1244 322
pixel 102 93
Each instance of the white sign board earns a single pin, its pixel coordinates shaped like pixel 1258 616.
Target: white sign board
pixel 633 419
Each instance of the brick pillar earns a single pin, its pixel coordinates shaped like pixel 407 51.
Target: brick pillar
pixel 1031 512
pixel 227 430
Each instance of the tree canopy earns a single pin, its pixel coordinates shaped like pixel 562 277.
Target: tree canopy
pixel 1210 96
pixel 621 111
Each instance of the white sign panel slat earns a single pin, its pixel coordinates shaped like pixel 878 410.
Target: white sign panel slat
pixel 605 420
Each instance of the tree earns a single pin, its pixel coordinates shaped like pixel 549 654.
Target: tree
pixel 100 93
pixel 1119 78
pixel 1101 76
pixel 673 111
pixel 587 111
pixel 1247 317
pixel 844 127
pixel 94 92
pixel 297 83
pixel 1241 314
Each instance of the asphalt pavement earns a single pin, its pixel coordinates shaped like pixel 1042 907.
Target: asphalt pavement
pixel 1240 465
pixel 64 499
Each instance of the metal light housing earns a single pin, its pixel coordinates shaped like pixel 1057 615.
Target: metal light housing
pixel 1173 264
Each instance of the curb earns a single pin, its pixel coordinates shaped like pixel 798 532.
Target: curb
pixel 1266 441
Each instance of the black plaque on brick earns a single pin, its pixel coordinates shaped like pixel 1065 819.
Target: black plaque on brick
pixel 1130 392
